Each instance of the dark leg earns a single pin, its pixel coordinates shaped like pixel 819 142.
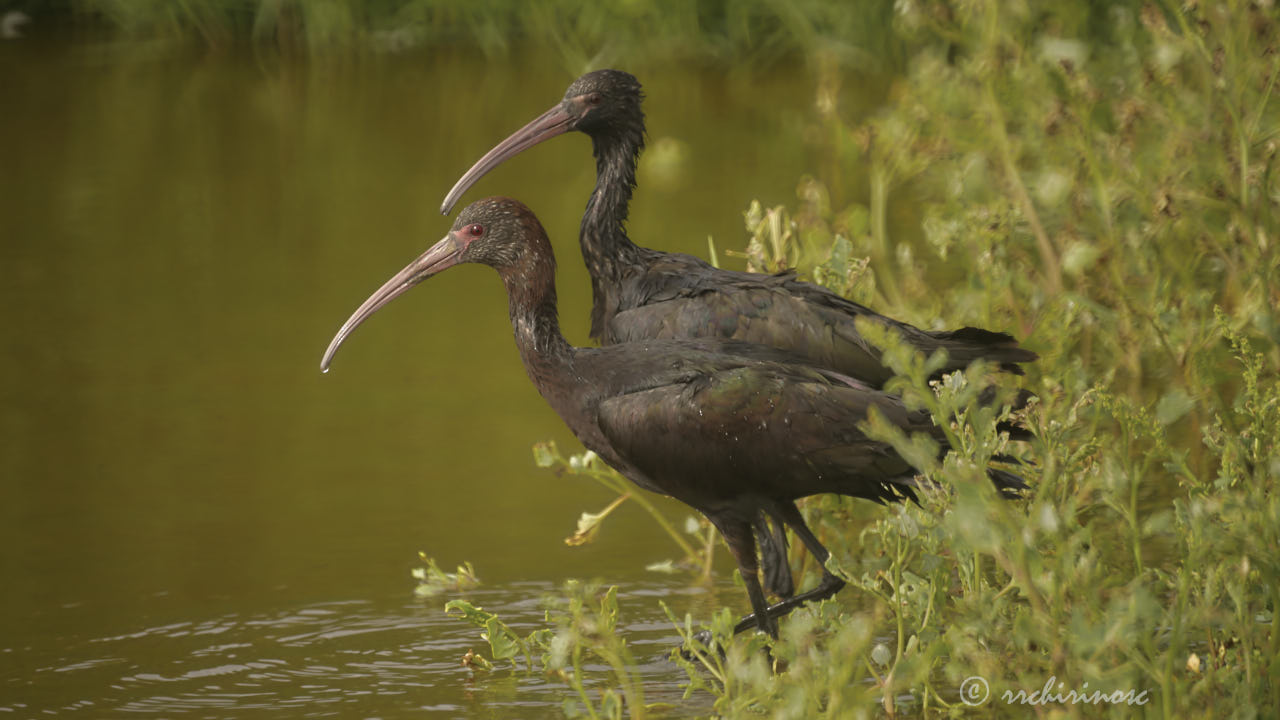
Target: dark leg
pixel 737 535
pixel 773 556
pixel 828 586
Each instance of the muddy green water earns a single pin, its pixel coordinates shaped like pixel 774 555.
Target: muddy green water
pixel 193 520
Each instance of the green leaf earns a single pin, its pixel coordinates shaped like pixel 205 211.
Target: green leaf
pixel 666 566
pixel 472 614
pixel 588 528
pixel 545 454
pixel 504 643
pixel 1173 405
pixel 881 655
pixel 1079 258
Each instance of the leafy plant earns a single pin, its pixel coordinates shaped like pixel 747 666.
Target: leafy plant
pixel 433 581
pixel 583 624
pixel 696 554
pixel 1101 181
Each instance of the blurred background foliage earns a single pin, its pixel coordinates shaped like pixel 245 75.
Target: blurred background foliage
pixel 1099 178
pixel 585 33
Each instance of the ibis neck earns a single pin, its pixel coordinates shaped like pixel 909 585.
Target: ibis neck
pixel 531 303
pixel 605 246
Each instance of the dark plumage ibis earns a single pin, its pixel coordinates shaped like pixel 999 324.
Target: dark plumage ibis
pixel 642 294
pixel 735 430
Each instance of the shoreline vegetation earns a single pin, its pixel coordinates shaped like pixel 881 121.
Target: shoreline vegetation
pixel 1098 179
pixel 1105 187
pixel 754 32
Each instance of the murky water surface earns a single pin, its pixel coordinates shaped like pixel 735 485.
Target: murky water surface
pixel 371 657
pixel 194 521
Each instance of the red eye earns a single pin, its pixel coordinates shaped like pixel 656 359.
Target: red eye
pixel 475 230
pixel 594 99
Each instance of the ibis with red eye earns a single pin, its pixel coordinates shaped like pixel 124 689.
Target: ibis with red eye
pixel 643 294
pixel 737 431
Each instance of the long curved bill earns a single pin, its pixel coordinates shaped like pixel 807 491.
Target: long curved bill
pixel 549 124
pixel 443 255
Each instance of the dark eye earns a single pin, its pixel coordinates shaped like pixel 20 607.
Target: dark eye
pixel 594 99
pixel 475 230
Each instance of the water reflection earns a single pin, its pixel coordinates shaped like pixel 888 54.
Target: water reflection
pixel 358 658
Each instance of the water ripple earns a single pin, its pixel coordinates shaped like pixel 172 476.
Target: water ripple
pixel 339 659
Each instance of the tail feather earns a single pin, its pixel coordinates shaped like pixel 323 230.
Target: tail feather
pixel 1019 400
pixel 970 343
pixel 1010 486
pixel 1016 431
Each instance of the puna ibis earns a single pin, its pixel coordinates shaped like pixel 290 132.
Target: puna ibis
pixel 735 430
pixel 642 294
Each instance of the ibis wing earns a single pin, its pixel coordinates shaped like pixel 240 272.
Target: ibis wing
pixel 757 429
pixel 679 296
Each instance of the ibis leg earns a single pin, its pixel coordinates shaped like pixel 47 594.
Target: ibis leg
pixel 773 556
pixel 828 586
pixel 738 536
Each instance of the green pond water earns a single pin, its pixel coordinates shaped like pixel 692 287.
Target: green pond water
pixel 193 519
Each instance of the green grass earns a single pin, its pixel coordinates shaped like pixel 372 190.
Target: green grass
pixel 1101 182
